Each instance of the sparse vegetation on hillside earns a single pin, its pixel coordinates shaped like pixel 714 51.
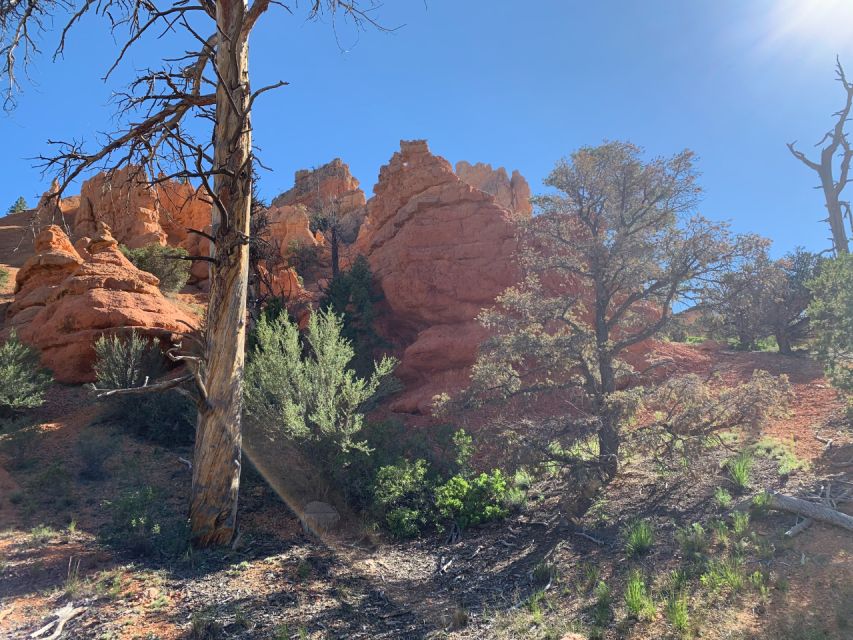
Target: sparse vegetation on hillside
pixel 4 277
pixel 167 263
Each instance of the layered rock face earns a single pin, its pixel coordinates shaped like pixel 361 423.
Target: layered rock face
pixel 441 250
pixel 102 293
pixel 55 259
pixel 511 193
pixel 331 189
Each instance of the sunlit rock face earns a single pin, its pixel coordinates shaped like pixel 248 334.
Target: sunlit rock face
pixel 512 193
pixel 101 294
pixel 441 250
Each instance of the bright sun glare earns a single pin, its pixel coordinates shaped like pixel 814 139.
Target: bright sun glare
pixel 815 24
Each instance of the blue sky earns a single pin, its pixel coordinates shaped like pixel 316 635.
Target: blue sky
pixel 514 84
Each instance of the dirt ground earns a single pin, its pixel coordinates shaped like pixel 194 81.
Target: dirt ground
pixel 531 576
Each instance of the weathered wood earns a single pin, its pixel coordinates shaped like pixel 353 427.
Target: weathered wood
pixel 809 510
pixel 217 457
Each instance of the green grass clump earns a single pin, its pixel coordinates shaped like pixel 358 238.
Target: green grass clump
pixel 639 537
pixel 4 277
pixel 637 599
pixel 740 523
pixel 693 541
pixel 724 575
pixel 723 498
pixel 740 470
pixel 782 452
pixel 677 612
pixel 602 610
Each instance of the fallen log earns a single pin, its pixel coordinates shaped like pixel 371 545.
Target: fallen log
pixel 809 510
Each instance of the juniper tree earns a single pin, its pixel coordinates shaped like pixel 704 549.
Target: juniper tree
pixel 615 247
pixel 206 82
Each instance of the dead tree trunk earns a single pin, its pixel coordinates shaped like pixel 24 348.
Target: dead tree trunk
pixel 811 510
pixel 836 139
pixel 216 465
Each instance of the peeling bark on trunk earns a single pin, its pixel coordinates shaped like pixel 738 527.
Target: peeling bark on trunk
pixel 216 467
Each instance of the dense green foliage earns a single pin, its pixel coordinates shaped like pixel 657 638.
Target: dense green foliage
pixel 309 396
pixel 19 205
pixel 134 361
pixel 4 277
pixel 353 295
pixel 831 315
pixel 22 380
pixel 166 263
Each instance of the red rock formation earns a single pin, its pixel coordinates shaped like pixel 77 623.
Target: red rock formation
pixel 54 260
pixel 441 251
pixel 105 292
pixel 511 193
pixel 126 203
pixel 328 188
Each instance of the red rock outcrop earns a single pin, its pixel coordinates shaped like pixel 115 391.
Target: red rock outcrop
pixel 511 193
pixel 330 187
pixel 141 214
pixel 126 203
pixel 55 259
pixel 441 251
pixel 105 292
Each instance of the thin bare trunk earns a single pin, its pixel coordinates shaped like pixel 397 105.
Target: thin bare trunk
pixel 216 468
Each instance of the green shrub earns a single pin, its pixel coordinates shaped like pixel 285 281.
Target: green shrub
pixel 831 319
pixel 312 399
pixel 23 382
pixel 125 362
pixel 352 294
pixel 639 604
pixel 472 502
pixel 95 449
pixel 740 470
pixel 639 537
pixel 4 277
pixel 142 526
pixel 725 574
pixel 166 263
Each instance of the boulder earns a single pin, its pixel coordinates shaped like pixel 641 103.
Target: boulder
pixel 102 294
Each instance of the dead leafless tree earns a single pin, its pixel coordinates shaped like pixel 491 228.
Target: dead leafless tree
pixel 835 145
pixel 159 132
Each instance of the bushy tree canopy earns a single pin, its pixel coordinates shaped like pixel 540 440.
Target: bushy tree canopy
pixel 831 315
pixel 614 248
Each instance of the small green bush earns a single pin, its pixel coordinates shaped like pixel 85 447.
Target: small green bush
pixel 602 611
pixel 314 399
pixel 740 470
pixel 472 502
pixel 740 523
pixel 95 449
pixel 4 277
pixel 23 382
pixel 142 526
pixel 639 537
pixel 125 362
pixel 166 263
pixel 637 599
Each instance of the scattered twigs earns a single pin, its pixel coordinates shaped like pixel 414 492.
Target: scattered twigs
pixel 64 614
